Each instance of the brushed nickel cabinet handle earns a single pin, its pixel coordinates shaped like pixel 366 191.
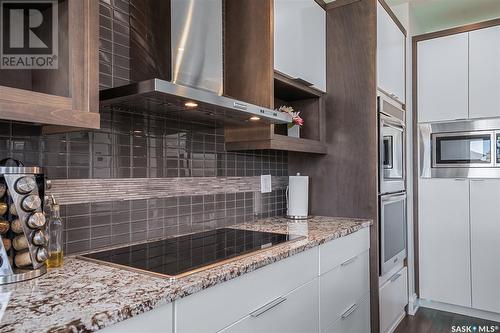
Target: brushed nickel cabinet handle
pixel 395 277
pixel 267 307
pixel 303 82
pixel 349 261
pixel 349 311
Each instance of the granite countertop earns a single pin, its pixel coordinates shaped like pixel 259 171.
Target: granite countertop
pixel 83 296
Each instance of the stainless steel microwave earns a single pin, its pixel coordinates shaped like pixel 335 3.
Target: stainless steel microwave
pixel 461 149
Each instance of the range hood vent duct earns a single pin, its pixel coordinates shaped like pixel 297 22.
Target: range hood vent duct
pixel 190 83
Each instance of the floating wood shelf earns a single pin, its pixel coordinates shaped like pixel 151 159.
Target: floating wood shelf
pixel 280 142
pixel 287 91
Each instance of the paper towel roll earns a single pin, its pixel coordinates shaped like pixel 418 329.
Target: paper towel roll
pixel 298 196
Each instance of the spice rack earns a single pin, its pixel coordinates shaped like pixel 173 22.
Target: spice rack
pixel 24 240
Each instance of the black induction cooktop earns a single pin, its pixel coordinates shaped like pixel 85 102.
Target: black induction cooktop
pixel 184 255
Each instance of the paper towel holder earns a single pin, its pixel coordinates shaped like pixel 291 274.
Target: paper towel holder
pixel 297 197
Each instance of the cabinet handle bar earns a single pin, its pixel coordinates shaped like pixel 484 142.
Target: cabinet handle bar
pixel 349 311
pixel 347 262
pixel 267 307
pixel 395 277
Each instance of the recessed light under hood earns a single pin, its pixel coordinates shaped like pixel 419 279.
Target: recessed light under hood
pixel 164 97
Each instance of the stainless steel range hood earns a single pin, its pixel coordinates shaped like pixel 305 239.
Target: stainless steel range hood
pixel 189 83
pixel 164 97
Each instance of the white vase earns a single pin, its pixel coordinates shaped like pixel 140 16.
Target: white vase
pixel 294 131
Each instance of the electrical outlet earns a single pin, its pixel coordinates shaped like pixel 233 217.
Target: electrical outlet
pixel 265 183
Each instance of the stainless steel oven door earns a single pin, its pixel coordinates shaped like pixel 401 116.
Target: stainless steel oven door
pixel 392 154
pixel 392 231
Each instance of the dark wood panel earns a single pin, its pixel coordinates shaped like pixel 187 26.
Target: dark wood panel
pixel 249 51
pixel 434 321
pixel 344 181
pixel 311 111
pixel 281 142
pixel 47 115
pixel 84 55
pixel 339 3
pixel 248 133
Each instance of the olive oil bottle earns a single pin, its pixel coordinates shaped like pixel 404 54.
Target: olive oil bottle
pixel 55 236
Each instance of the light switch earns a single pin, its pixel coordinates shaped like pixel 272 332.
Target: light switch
pixel 265 183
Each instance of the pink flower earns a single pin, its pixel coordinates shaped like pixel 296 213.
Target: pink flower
pixel 297 120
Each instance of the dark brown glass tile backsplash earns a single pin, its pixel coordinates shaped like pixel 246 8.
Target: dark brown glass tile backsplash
pixel 146 146
pixel 136 146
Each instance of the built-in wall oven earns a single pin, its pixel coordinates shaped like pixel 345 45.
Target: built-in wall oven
pixel 392 195
pixel 391 146
pixel 392 231
pixel 460 149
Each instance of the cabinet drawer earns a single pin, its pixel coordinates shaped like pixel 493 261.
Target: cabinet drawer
pixel 217 307
pixel 339 250
pixel 354 320
pixel 342 287
pixel 393 299
pixel 158 320
pixel 296 312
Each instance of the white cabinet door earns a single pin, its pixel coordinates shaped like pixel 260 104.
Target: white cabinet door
pixel 444 243
pixel 485 240
pixel 300 40
pixel 484 73
pixel 393 299
pixel 158 320
pixel 354 320
pixel 342 287
pixel 391 44
pixel 442 67
pixel 219 306
pixel 296 312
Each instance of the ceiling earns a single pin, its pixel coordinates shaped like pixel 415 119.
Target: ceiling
pixel 433 15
